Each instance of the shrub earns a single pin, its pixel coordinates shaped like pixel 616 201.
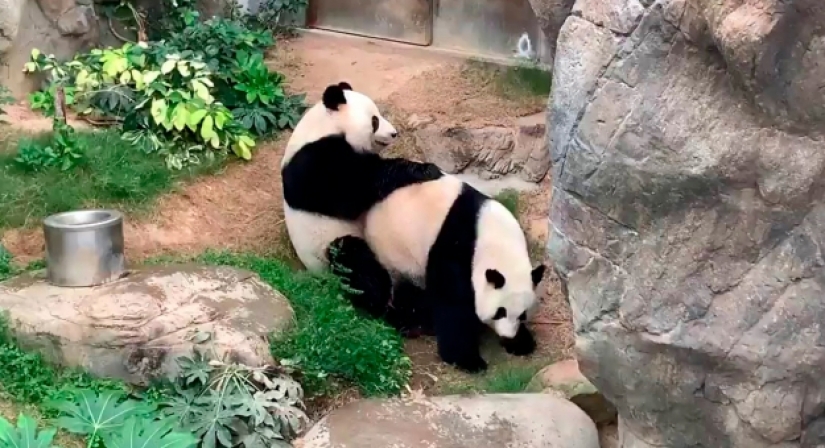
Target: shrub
pixel 6 266
pixel 62 151
pixel 230 404
pixel 5 98
pixel 203 89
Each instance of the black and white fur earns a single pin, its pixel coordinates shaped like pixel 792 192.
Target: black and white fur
pixel 331 176
pixel 469 255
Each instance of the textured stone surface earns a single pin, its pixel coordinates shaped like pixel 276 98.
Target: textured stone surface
pixel 565 380
pixel 11 11
pixel 490 152
pixel 135 327
pixel 483 421
pixel 59 27
pixel 551 15
pixel 687 217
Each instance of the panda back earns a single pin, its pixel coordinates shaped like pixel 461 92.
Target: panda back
pixel 316 123
pixel 403 227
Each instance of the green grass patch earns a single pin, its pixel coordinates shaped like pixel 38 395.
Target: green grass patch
pixel 505 378
pixel 516 81
pixel 511 199
pixel 113 174
pixel 331 343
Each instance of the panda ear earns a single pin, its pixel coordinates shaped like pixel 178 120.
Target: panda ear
pixel 537 274
pixel 333 97
pixel 344 85
pixel 495 278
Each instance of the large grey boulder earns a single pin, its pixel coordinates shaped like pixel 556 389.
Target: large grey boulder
pixel 59 27
pixel 136 327
pixel 482 421
pixel 688 220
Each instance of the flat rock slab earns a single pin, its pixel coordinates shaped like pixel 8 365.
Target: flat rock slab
pixel 483 421
pixel 136 327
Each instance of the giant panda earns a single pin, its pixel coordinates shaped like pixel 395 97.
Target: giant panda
pixel 467 256
pixel 331 175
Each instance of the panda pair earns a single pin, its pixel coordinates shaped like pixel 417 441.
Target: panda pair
pixel 424 248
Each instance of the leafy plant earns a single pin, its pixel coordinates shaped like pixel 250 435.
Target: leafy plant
pixel 86 412
pixel 203 89
pixel 6 98
pixel 6 267
pixel 43 100
pixel 137 432
pixel 230 404
pixel 25 434
pixel 271 12
pixel 63 152
pixel 117 420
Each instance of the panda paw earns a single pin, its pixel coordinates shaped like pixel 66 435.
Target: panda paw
pixel 472 365
pixel 522 344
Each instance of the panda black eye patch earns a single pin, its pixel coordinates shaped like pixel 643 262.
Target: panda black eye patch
pixel 374 124
pixel 523 316
pixel 501 313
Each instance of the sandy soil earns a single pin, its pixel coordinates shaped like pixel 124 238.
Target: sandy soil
pixel 241 208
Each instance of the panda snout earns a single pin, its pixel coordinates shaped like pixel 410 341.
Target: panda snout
pixel 394 135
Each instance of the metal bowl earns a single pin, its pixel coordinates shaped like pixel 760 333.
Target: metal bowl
pixel 84 247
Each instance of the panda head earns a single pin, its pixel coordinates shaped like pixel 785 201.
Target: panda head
pixel 358 118
pixel 507 300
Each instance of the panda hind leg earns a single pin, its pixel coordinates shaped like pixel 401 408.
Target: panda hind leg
pixel 522 344
pixel 352 260
pixel 410 312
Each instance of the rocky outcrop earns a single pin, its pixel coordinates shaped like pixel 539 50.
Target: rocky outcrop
pixel 59 27
pixel 688 219
pixel 551 15
pixel 488 152
pixel 483 421
pixel 564 379
pixel 136 327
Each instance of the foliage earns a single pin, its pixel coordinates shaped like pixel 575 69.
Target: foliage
pixel 115 174
pixel 63 152
pixel 25 434
pixel 5 98
pixel 6 267
pixel 330 342
pixel 230 404
pixel 204 89
pixel 118 421
pixel 270 14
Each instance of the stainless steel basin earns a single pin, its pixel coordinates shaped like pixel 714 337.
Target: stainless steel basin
pixel 84 247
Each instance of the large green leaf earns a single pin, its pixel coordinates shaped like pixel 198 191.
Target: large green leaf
pixel 25 435
pixel 87 413
pixel 139 432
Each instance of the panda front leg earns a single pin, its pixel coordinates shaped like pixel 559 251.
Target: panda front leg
pixel 522 344
pixel 457 331
pixel 352 260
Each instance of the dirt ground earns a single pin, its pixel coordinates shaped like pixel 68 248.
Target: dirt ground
pixel 240 209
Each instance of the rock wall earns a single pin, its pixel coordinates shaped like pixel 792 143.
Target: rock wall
pixel 687 218
pixel 60 27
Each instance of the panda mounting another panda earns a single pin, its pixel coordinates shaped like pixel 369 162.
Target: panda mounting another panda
pixel 456 258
